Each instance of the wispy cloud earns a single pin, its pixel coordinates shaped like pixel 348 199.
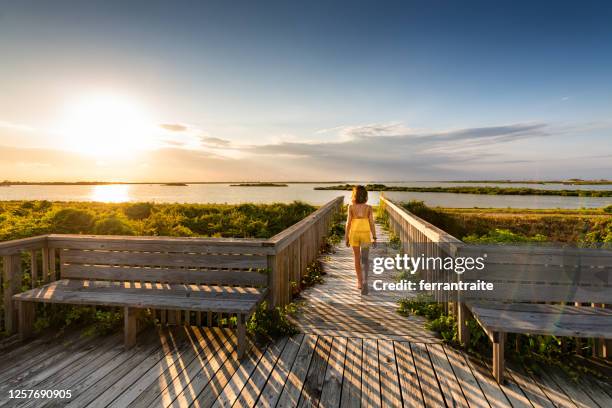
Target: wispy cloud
pixel 174 127
pixel 215 142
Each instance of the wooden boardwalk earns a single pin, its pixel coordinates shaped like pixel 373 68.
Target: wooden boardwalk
pixel 354 351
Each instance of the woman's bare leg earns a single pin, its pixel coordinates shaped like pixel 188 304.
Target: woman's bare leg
pixel 365 261
pixel 357 256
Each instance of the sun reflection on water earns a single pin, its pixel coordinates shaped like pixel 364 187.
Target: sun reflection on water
pixel 113 193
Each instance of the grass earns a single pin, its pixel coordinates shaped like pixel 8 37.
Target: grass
pixel 478 190
pixel 488 225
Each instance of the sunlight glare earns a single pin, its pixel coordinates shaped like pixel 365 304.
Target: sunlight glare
pixel 107 125
pixel 112 193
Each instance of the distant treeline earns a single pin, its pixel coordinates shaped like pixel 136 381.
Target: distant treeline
pixel 259 185
pixel 571 182
pixel 478 190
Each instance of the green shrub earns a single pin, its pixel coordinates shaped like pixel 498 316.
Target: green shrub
pixel 272 323
pixel 138 211
pixel 72 221
pixel 498 236
pixel 112 225
pixel 313 275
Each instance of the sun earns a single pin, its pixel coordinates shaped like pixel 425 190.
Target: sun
pixel 108 125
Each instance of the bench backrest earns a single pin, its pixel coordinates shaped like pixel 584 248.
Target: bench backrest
pixel 541 274
pixel 232 262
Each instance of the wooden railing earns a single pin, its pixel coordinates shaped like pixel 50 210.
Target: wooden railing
pixel 420 238
pixel 295 248
pixel 283 257
pixel 511 262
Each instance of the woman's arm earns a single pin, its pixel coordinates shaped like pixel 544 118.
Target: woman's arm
pixel 372 225
pixel 347 227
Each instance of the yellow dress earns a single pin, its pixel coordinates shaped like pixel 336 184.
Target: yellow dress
pixel 359 232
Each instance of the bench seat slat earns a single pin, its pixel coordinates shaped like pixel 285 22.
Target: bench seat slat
pixel 170 275
pixel 163 259
pixel 535 319
pixel 58 293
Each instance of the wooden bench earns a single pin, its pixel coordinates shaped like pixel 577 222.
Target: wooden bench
pixel 137 273
pixel 538 290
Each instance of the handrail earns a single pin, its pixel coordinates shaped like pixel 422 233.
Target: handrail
pixel 288 235
pixel 429 230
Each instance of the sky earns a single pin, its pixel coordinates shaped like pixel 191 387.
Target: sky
pixel 296 90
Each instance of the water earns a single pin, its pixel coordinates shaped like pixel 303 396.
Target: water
pixel 223 193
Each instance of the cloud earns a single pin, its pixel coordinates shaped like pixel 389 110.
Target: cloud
pixel 173 127
pixel 383 151
pixel 215 142
pixel 565 98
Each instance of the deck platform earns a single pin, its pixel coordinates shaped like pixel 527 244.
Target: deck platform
pixel 353 351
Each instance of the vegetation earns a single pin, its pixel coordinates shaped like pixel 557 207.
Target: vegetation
pixel 272 323
pixel 21 219
pixel 571 182
pixel 259 185
pixel 477 225
pixel 478 190
pixel 175 184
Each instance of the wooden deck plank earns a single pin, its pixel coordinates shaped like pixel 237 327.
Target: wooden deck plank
pixel 351 384
pixel 20 365
pixel 432 394
pixel 206 344
pixel 230 393
pixel 389 380
pixel 198 375
pixel 466 380
pixel 332 385
pixel 370 375
pixel 576 393
pixel 149 354
pixel 256 383
pixel 272 391
pixel 498 395
pixel 172 344
pixel 47 367
pixel 410 387
pixel 451 390
pixel 313 383
pixel 553 391
pixel 180 350
pixel 531 389
pixel 295 381
pixel 64 378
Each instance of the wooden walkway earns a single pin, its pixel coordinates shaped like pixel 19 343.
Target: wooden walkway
pixel 354 351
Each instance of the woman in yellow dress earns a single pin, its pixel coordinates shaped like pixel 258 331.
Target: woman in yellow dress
pixel 360 233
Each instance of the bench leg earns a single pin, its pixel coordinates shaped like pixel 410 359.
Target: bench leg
pixel 464 332
pixel 27 315
pixel 130 329
pixel 242 340
pixel 498 356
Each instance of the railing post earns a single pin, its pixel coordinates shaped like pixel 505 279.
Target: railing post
pixel 11 268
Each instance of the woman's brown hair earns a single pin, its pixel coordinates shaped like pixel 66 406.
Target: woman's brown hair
pixel 360 195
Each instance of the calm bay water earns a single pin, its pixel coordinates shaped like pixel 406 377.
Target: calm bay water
pixel 224 193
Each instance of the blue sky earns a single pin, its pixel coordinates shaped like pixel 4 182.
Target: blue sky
pixel 305 90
